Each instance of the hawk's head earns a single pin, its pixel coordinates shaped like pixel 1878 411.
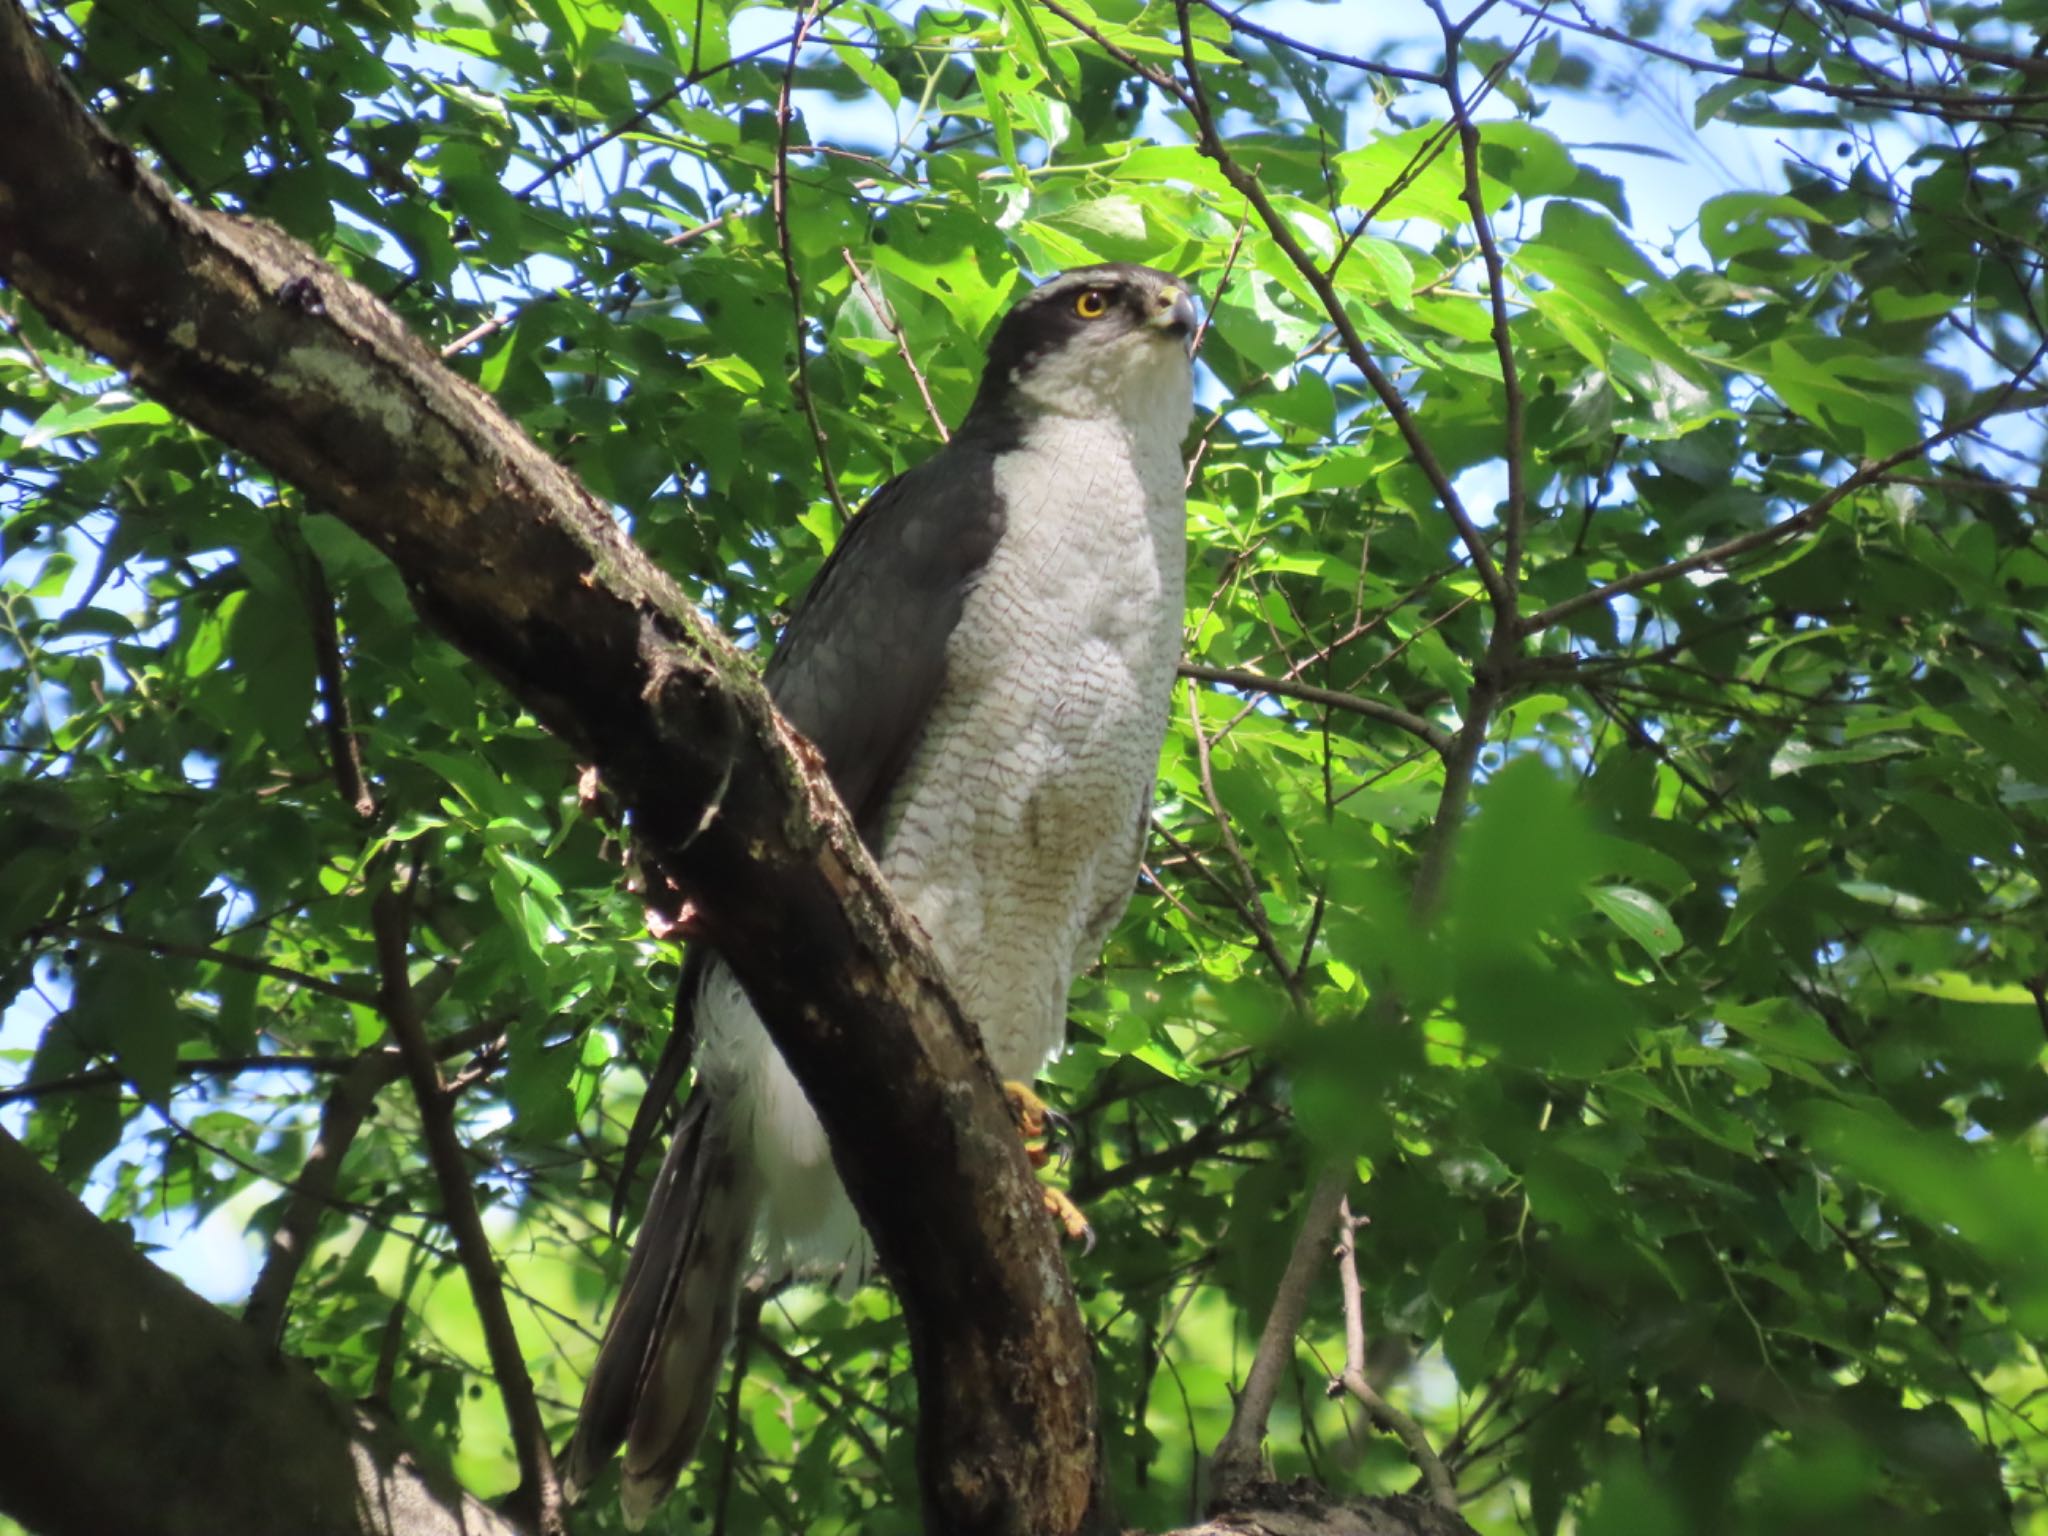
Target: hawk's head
pixel 1109 340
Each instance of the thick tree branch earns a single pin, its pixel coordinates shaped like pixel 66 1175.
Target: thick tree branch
pixel 132 1405
pixel 244 333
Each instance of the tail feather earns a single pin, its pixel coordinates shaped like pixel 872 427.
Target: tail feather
pixel 656 1375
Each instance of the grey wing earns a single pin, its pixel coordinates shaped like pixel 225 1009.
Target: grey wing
pixel 858 671
pixel 862 661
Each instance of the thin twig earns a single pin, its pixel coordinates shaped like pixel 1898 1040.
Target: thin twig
pixel 170 950
pixel 1964 485
pixel 1802 521
pixel 1512 448
pixel 341 1116
pixel 1442 1491
pixel 888 318
pixel 1222 282
pixel 1949 106
pixel 195 1066
pixel 496 323
pixel 633 120
pixel 1436 736
pixel 539 1490
pixel 390 1345
pixel 1941 41
pixel 745 1326
pixel 1266 35
pixel 344 751
pixel 1236 1464
pixel 1211 143
pixel 1253 919
pixel 1202 334
pixel 348 1104
pixel 801 381
pixel 1233 850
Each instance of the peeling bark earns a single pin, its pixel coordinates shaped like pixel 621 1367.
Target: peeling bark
pixel 243 332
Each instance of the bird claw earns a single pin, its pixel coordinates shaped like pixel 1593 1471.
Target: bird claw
pixel 1035 1122
pixel 1061 1207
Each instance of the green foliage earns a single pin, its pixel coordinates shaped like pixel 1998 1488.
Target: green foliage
pixel 1699 1125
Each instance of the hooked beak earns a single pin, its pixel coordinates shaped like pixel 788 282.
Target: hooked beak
pixel 1173 314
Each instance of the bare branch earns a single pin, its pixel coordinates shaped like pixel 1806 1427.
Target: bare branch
pixel 1248 883
pixel 1254 921
pixel 348 1104
pixel 1239 22
pixel 888 318
pixel 192 1066
pixel 800 380
pixel 344 751
pixel 695 76
pixel 205 954
pixel 1950 106
pixel 1247 185
pixel 539 1491
pixel 1803 521
pixel 1513 447
pixel 1435 735
pixel 1236 1465
pixel 1442 1491
pixel 1943 42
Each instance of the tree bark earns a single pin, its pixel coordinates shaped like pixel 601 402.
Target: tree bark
pixel 130 1404
pixel 1301 1509
pixel 245 333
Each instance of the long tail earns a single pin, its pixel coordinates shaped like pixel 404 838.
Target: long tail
pixel 656 1375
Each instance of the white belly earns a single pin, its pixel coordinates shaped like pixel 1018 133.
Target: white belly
pixel 1025 820
pixel 1016 840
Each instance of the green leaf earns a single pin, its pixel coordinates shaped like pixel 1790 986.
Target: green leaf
pixel 1639 915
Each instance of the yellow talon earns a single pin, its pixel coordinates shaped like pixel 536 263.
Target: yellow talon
pixel 1071 1221
pixel 1034 1120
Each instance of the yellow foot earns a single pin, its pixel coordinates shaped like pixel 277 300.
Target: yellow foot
pixel 1071 1221
pixel 1034 1122
pixel 1033 1119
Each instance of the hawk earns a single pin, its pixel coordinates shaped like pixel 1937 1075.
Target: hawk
pixel 985 663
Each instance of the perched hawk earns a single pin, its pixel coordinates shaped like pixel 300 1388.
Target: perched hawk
pixel 985 663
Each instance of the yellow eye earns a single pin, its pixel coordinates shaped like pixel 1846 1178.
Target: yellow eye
pixel 1091 304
